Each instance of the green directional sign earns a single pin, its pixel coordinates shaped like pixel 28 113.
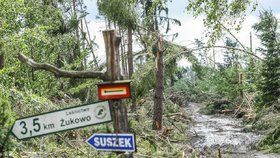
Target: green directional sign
pixel 62 120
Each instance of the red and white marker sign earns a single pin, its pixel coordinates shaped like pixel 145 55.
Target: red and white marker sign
pixel 114 90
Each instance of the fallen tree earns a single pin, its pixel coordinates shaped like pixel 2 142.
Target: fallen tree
pixel 59 72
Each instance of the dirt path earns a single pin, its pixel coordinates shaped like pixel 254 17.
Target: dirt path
pixel 213 134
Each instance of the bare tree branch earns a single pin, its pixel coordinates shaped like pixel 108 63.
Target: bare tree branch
pixel 59 72
pixel 233 36
pixel 186 50
pixel 227 47
pixel 223 47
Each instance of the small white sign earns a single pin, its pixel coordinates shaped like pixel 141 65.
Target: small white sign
pixel 62 120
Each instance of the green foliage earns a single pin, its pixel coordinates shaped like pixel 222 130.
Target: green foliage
pixel 153 15
pixel 271 142
pixel 169 142
pixel 252 76
pixel 85 91
pixel 267 30
pixel 122 12
pixel 227 83
pixel 7 116
pixel 218 12
pixel 230 56
pixel 46 32
pixel 184 86
pixel 269 85
pixel 220 83
pixel 267 120
pixel 209 109
pixel 171 70
pixel 9 13
pixel 143 79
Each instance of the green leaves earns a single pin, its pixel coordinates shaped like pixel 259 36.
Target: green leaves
pixel 266 29
pixel 271 142
pixel 6 119
pixel 269 85
pixel 220 12
pixel 122 12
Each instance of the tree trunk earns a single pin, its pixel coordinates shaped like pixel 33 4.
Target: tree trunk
pixel 4 145
pixel 1 61
pixel 77 50
pixel 130 64
pixel 91 47
pixel 1 151
pixel 172 80
pixel 123 58
pixel 158 103
pixel 129 51
pixel 84 63
pixel 118 108
pixel 119 111
pixel 241 84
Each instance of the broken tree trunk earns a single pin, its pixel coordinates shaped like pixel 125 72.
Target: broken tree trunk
pixel 129 51
pixel 112 42
pixel 60 72
pixel 158 103
pixel 1 61
pixel 241 84
pixel 119 111
pixel 130 63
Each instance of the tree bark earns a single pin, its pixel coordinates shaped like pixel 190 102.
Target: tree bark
pixel 1 61
pixel 172 79
pixel 77 46
pixel 123 66
pixel 130 64
pixel 241 84
pixel 158 104
pixel 91 48
pixel 1 151
pixel 129 51
pixel 59 72
pixel 119 111
pixel 4 145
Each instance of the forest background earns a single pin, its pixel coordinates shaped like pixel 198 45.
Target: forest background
pixel 224 71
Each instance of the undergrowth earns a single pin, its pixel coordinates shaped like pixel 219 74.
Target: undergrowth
pixel 271 142
pixel 171 141
pixel 268 121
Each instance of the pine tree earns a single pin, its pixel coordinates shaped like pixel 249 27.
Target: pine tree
pixel 270 81
pixel 230 56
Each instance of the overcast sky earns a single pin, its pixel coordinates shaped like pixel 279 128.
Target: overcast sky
pixel 190 29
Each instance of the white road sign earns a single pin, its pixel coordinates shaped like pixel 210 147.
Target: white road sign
pixel 61 120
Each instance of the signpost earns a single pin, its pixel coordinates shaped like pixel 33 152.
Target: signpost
pixel 114 90
pixel 113 142
pixel 62 120
pixel 85 115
